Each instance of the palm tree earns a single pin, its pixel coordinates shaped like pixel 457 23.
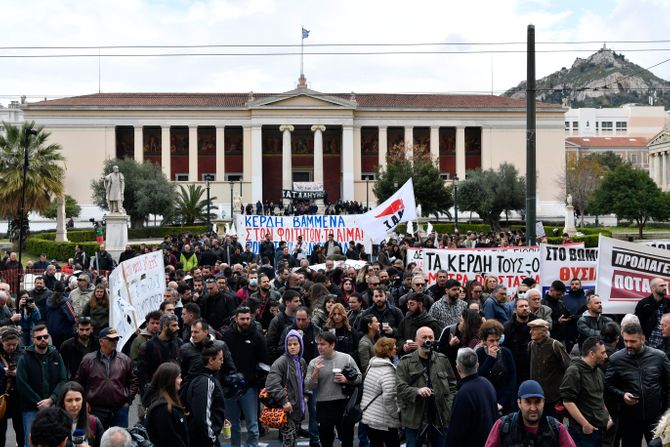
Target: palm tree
pixel 191 207
pixel 44 179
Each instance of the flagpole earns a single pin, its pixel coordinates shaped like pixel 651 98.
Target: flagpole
pixel 302 44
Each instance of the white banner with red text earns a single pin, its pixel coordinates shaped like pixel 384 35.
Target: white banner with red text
pixel 565 262
pixel 314 229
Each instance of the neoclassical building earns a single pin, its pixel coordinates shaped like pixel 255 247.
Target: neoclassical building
pixel 255 144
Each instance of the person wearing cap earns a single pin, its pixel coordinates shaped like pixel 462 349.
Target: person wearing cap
pixel 109 381
pixel 582 391
pixel 536 307
pixel 548 362
pixel 529 426
pixel 39 376
pixel 415 318
pixel 82 294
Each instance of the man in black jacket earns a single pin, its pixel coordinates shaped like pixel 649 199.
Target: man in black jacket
pixel 650 310
pixel 248 349
pixel 204 399
pixel 416 318
pixel 639 376
pixel 217 307
pixel 267 248
pixel 517 338
pixel 74 349
pixel 559 314
pixel 191 351
pixel 162 347
pixel 291 300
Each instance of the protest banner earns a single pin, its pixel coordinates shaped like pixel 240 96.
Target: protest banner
pixel 136 288
pixel 658 243
pixel 314 229
pixel 564 262
pixel 625 271
pixel 510 264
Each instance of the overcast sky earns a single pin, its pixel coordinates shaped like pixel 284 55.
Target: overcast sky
pixel 94 23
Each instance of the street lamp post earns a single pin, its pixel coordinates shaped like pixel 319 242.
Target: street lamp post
pixel 231 201
pixel 455 202
pixel 26 145
pixel 208 178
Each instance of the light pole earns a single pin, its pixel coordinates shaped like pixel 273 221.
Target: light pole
pixel 455 202
pixel 208 178
pixel 26 145
pixel 231 201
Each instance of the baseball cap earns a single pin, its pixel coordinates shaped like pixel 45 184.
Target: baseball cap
pixel 530 388
pixel 109 333
pixel 530 282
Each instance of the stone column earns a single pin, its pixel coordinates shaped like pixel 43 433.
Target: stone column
pixel 165 152
pixel 382 141
pixel 652 168
pixel 61 229
pixel 256 164
pixel 139 144
pixel 318 130
pixel 409 143
pixel 193 154
pixel 220 154
pixel 347 155
pixel 664 171
pixel 286 161
pixel 460 152
pixel 435 144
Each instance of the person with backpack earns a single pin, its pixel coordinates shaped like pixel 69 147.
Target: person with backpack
pixel 165 417
pixel 529 425
pixel 72 399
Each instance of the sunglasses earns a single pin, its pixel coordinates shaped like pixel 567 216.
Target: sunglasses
pixel 41 337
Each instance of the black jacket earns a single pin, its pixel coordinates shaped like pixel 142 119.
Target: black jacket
pixel 204 402
pixel 517 337
pixel 217 309
pixel 248 350
pixel 39 377
pixel 646 375
pixel 277 326
pixel 152 354
pixel 166 428
pixel 557 310
pixel 309 340
pixel 191 362
pixel 647 311
pixel 73 352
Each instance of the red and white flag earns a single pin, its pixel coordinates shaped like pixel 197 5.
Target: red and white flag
pixel 400 207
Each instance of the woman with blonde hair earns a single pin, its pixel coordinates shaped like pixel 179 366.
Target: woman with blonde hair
pixel 379 403
pixel 338 324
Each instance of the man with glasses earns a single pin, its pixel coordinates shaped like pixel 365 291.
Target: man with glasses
pixel 74 349
pixel 418 285
pixel 39 376
pixel 109 381
pixel 448 310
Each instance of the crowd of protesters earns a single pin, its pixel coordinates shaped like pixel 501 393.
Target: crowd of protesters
pixel 335 349
pixel 299 207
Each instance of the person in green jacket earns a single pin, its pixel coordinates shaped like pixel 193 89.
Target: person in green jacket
pixel 188 259
pixel 425 400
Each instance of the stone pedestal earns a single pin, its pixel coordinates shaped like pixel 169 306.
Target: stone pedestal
pixel 61 231
pixel 116 234
pixel 569 220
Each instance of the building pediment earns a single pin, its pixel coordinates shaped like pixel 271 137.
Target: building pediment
pixel 302 98
pixel 663 137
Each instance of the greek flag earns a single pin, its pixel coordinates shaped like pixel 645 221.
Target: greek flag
pixel 305 33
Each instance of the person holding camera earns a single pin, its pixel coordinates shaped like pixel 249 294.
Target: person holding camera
pixel 30 315
pixel 331 375
pixel 426 389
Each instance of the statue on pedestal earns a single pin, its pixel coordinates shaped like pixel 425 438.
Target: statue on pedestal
pixel 114 188
pixel 569 217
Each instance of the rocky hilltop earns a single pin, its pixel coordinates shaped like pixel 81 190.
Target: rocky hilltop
pixel 604 79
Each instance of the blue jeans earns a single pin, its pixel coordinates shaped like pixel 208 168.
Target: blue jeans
pixel 437 437
pixel 115 417
pixel 595 439
pixel 363 440
pixel 28 418
pixel 313 424
pixel 247 404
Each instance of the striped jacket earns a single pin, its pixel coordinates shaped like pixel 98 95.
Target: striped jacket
pixel 383 413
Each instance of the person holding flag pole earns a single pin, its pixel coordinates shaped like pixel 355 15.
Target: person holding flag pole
pixel 400 207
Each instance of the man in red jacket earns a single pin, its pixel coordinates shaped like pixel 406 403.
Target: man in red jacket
pixel 109 381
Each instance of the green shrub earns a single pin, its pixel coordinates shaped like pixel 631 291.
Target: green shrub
pixel 45 242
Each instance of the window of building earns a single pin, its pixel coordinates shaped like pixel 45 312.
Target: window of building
pixel 181 177
pixel 607 126
pixel 125 142
pixel 621 126
pixel 233 177
pixel 567 125
pixel 575 125
pixel 634 158
pixel 368 176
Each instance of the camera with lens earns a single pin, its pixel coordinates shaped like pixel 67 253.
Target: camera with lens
pixel 428 345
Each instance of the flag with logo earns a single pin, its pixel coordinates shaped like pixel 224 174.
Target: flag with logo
pixel 400 207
